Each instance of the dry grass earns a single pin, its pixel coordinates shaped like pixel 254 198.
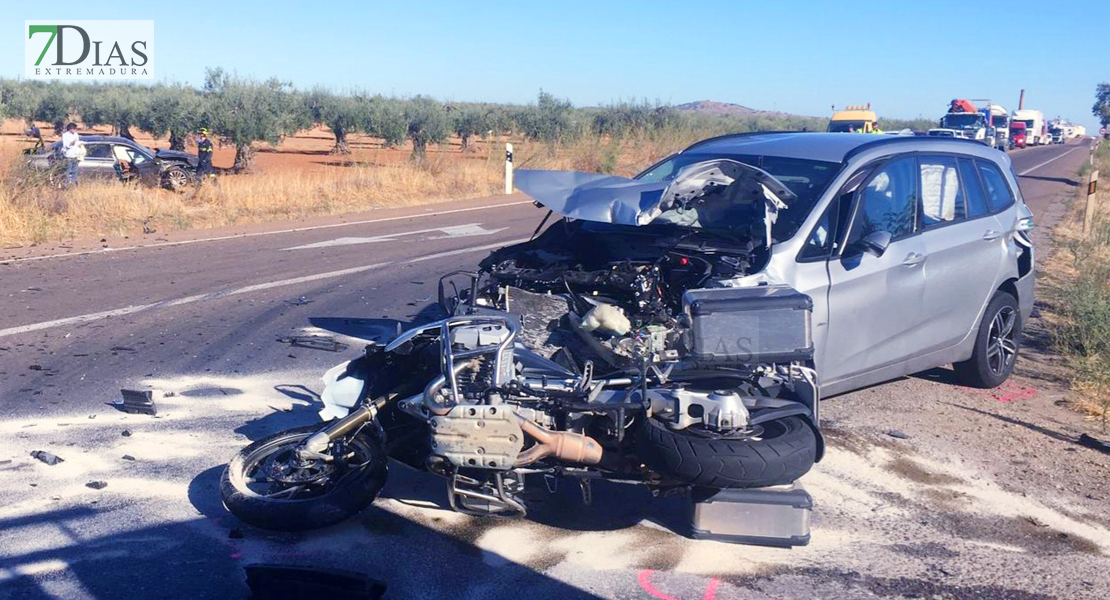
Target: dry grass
pixel 1076 280
pixel 32 211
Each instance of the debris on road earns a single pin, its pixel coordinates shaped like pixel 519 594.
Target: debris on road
pixel 125 433
pixel 35 367
pixel 128 457
pixel 138 402
pixel 314 342
pixel 898 434
pixel 299 301
pixel 271 582
pixel 46 457
pixel 97 485
pixel 1094 444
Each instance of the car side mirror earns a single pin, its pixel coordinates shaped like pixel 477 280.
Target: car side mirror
pixel 875 243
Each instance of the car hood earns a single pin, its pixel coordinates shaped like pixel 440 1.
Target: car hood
pixel 176 155
pixel 624 201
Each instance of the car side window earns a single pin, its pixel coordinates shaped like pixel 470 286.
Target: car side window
pixel 941 199
pixel 135 158
pixel 973 189
pixel 999 195
pixel 98 151
pixel 888 202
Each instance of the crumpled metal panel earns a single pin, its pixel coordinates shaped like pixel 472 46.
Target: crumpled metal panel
pixel 624 201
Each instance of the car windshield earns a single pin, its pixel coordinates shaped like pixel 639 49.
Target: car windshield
pixel 806 178
pixel 959 121
pixel 846 126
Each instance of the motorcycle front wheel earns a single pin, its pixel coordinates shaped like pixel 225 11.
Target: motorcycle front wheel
pixel 269 486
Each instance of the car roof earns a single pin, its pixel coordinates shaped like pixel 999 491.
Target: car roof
pixel 829 147
pixel 115 139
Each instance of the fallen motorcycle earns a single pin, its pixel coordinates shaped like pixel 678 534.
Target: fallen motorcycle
pixel 572 355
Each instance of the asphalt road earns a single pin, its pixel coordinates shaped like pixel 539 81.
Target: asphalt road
pixel 986 498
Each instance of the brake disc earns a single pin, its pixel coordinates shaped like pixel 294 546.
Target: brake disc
pixel 295 471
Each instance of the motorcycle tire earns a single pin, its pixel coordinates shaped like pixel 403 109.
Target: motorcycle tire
pixel 348 494
pixel 786 451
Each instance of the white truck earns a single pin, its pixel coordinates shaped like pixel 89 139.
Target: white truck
pixel 965 120
pixel 1036 129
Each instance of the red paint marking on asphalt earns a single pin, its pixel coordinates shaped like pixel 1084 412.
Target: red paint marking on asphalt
pixel 1007 392
pixel 644 579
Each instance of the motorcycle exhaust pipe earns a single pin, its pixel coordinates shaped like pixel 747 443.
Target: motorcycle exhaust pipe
pixel 563 445
pixel 318 443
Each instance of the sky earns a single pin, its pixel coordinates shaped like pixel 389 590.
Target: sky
pixel 908 58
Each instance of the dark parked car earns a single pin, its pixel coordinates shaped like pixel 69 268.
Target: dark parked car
pixel 110 157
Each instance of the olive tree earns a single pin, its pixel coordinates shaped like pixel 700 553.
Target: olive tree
pixel 469 121
pixel 426 123
pixel 175 110
pixel 115 105
pixel 244 111
pixel 341 114
pixel 550 120
pixel 384 118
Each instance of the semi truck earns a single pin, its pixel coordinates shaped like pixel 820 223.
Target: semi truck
pixel 1036 129
pixel 964 120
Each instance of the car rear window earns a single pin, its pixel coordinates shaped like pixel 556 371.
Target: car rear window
pixel 973 189
pixel 98 151
pixel 999 195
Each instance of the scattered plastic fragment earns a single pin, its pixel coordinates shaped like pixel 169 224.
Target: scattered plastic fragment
pixel 138 402
pixel 313 342
pixel 97 485
pixel 894 433
pixel 46 457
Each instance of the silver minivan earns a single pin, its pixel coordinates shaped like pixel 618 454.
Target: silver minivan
pixel 915 251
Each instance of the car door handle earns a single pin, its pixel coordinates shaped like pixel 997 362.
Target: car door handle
pixel 991 235
pixel 913 259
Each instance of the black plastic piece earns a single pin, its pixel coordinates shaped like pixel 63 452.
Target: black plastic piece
pixel 138 402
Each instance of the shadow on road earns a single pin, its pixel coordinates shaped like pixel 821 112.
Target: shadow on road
pixel 198 559
pixel 1056 435
pixel 1063 180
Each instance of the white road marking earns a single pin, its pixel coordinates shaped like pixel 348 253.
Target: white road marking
pixel 262 233
pixel 454 231
pixel 258 287
pixel 1054 158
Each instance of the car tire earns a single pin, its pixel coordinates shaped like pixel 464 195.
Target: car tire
pixel 996 345
pixel 176 179
pixel 786 451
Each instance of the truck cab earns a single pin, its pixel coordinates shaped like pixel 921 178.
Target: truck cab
pixel 854 119
pixel 1017 134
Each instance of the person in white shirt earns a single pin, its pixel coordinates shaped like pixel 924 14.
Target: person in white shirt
pixel 73 150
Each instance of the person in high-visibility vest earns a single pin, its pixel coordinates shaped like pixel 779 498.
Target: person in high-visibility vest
pixel 204 156
pixel 875 128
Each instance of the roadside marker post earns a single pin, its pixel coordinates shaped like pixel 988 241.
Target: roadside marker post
pixel 1092 202
pixel 508 168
